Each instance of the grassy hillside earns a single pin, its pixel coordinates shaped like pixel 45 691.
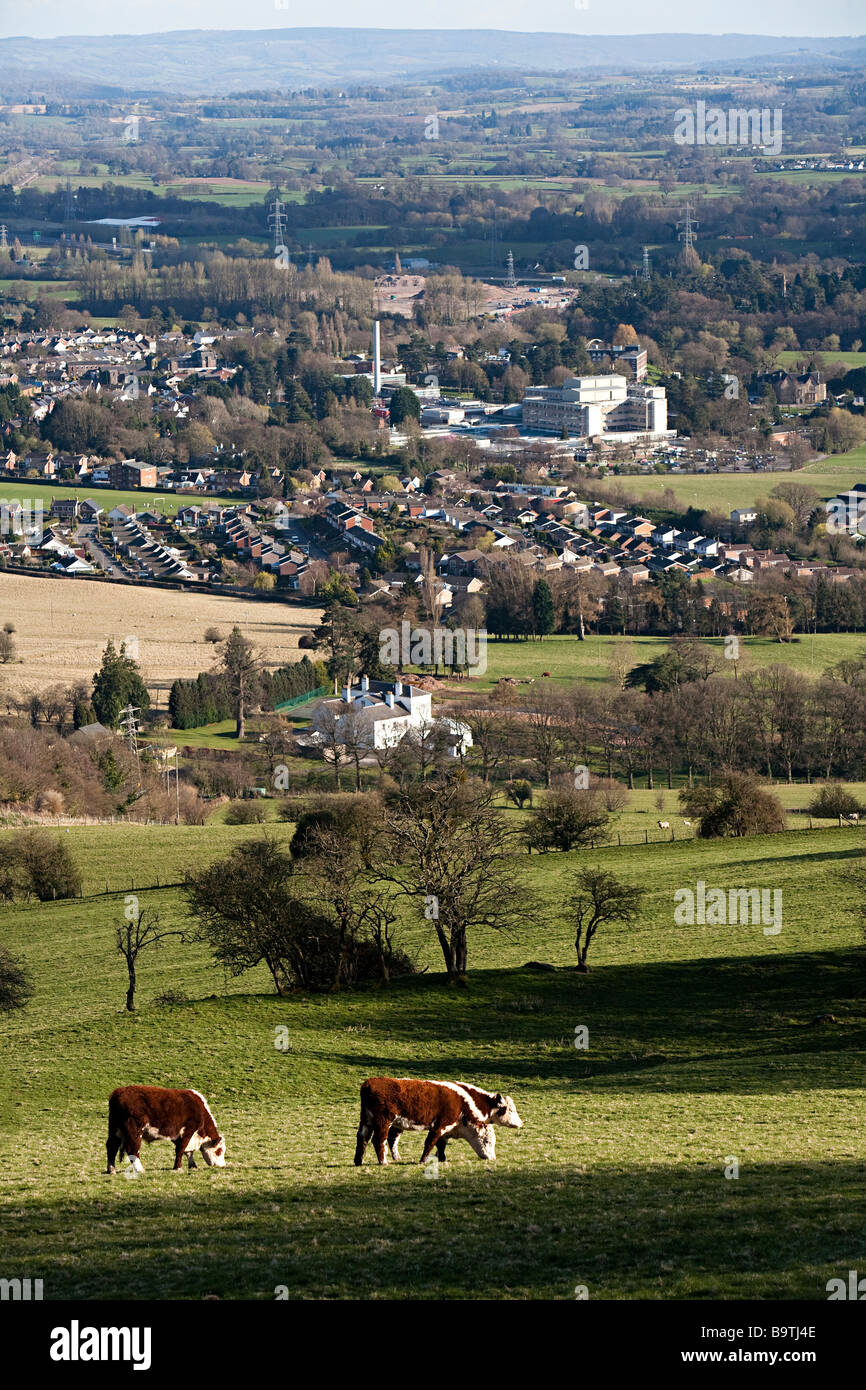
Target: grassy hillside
pixel 569 660
pixel 702 1047
pixel 722 492
pixel 141 498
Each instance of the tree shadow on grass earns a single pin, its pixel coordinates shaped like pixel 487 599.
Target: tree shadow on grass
pixel 720 1024
pixel 478 1231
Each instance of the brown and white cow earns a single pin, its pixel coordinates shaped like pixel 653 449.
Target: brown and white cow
pixel 137 1113
pixel 390 1105
pixel 494 1106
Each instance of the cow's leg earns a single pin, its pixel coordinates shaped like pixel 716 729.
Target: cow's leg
pixel 180 1144
pixel 380 1140
pixel 440 1149
pixel 190 1160
pixel 111 1148
pixel 394 1134
pixel 132 1144
pixel 365 1129
pixel 436 1132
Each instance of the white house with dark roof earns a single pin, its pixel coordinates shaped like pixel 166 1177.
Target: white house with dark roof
pixel 389 709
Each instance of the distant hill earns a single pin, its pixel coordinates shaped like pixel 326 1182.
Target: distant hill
pixel 216 62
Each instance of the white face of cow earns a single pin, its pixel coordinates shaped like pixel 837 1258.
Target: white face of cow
pixel 214 1152
pixel 482 1141
pixel 504 1112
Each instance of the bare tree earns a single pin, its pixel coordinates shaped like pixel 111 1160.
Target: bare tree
pixel 599 897
pixel 546 724
pixel 140 931
pixel 446 848
pixel 329 724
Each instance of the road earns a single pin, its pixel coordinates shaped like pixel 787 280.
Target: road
pixel 88 536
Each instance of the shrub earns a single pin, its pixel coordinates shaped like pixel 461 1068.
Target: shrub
pixel 249 911
pixel 213 634
pixel 16 986
pixel 171 998
pixel 737 805
pixel 45 865
pixel 346 814
pixel 614 794
pixel 568 817
pixel 519 791
pixel 50 802
pixel 834 800
pixel 245 813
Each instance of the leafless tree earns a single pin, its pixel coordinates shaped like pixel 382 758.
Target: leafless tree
pixel 139 932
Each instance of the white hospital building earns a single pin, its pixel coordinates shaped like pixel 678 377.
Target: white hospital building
pixel 592 406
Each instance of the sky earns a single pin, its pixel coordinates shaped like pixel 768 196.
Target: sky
pixel 50 18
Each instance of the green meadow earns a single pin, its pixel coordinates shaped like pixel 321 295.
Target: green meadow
pixel 569 660
pixel 722 492
pixel 108 498
pixel 707 1054
pixel 829 356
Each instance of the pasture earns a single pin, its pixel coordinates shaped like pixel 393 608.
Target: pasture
pixel 142 499
pixel 722 492
pixel 703 1047
pixel 569 660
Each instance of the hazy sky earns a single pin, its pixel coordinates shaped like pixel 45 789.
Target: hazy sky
pixel 48 18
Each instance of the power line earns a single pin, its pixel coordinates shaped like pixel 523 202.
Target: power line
pixel 688 235
pixel 276 218
pixel 129 725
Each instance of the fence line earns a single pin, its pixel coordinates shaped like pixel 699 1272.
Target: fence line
pixel 665 839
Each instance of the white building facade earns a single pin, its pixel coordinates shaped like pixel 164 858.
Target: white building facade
pixel 387 710
pixel 592 406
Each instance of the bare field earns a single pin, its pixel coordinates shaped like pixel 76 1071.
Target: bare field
pixel 62 626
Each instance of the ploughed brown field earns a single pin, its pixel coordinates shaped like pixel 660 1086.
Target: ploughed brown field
pixel 62 626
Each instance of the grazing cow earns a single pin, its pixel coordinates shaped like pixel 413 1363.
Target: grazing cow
pixel 853 818
pixel 494 1106
pixel 664 825
pixel 441 1107
pixel 155 1112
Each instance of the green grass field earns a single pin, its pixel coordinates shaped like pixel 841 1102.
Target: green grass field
pixel 702 1048
pixel 569 660
pixel 14 288
pixel 108 498
pixel 851 359
pixel 722 492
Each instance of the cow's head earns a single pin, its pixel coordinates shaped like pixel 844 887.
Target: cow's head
pixel 482 1140
pixel 213 1151
pixel 504 1112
